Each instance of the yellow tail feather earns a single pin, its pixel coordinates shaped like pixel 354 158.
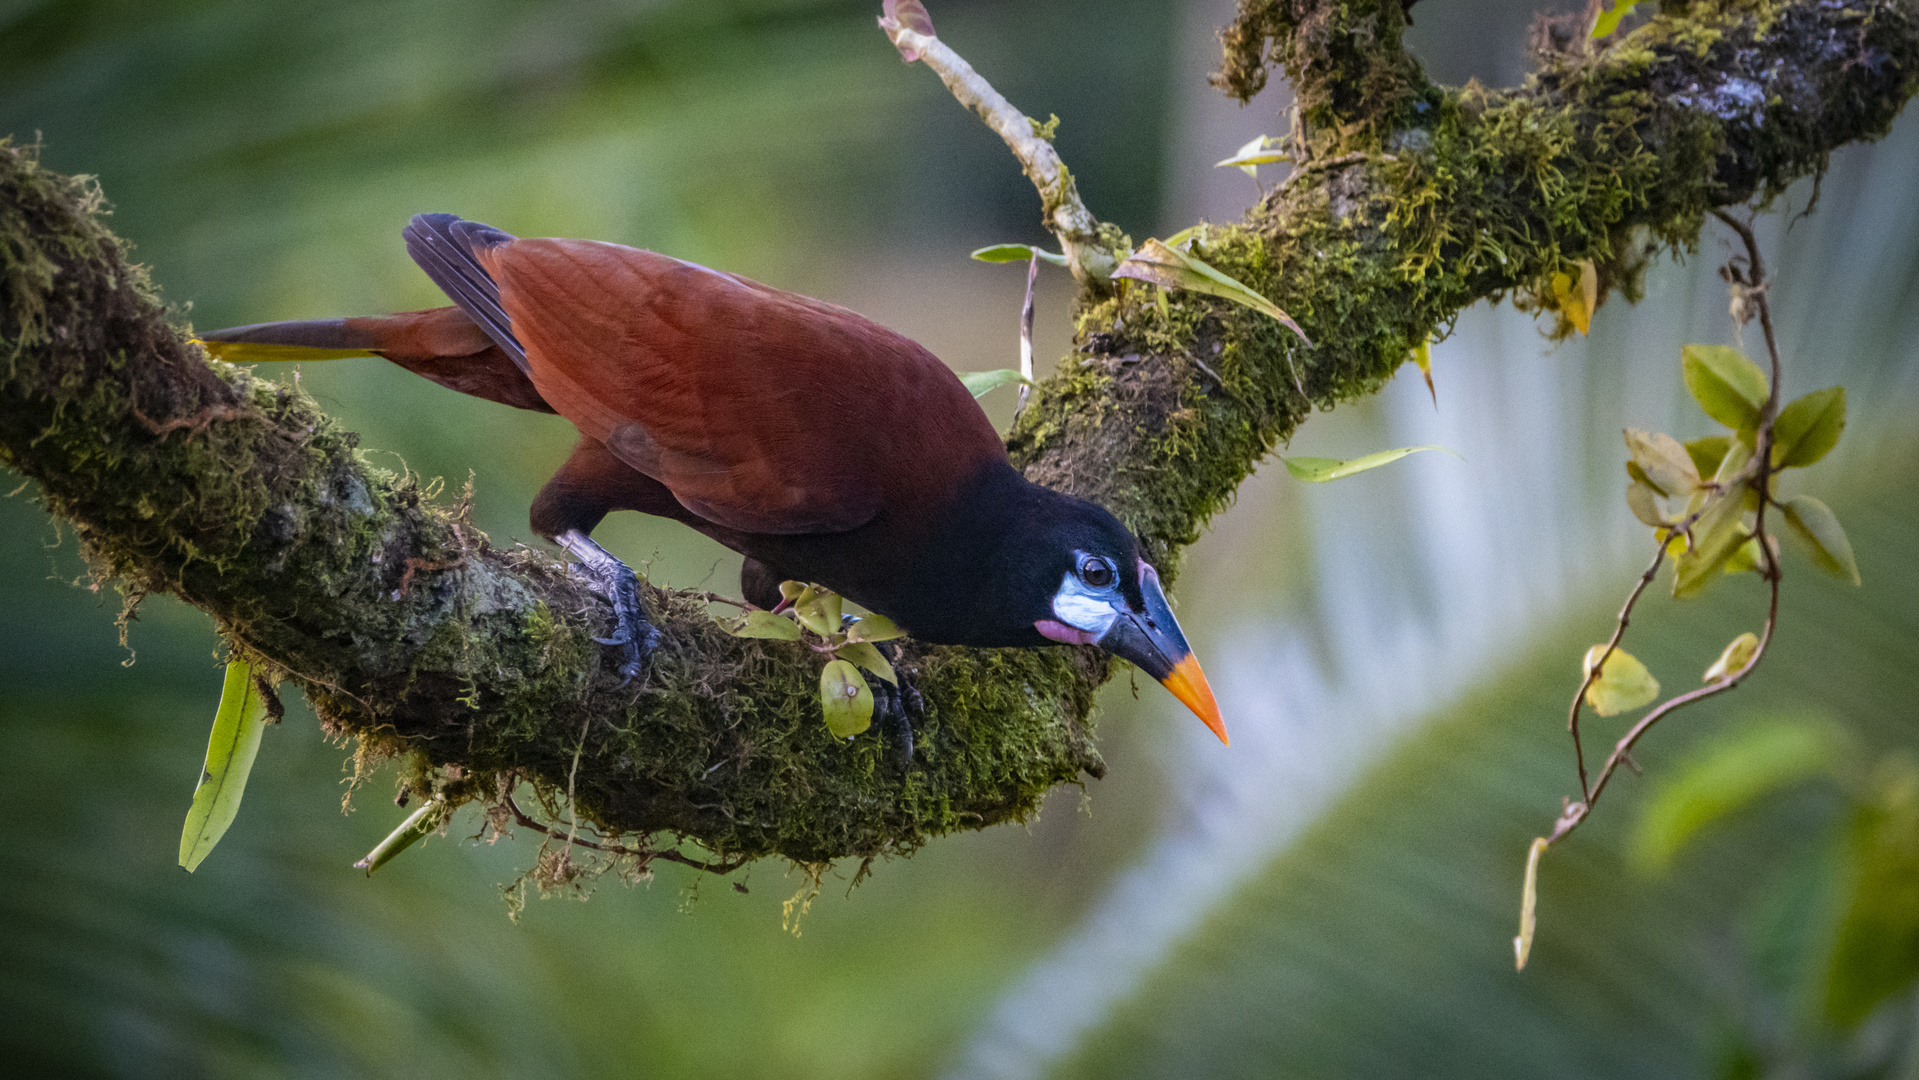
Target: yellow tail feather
pixel 244 352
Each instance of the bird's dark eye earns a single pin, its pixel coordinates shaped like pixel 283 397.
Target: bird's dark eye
pixel 1096 572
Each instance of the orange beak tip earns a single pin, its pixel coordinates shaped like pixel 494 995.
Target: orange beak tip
pixel 1188 683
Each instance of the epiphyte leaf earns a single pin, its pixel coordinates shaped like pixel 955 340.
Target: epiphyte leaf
pixel 1707 453
pixel 1576 297
pixel 1820 536
pixel 763 624
pixel 818 609
pixel 874 628
pixel 1001 253
pixel 1746 558
pixel 1808 428
pixel 1249 158
pixel 1746 761
pixel 868 657
pixel 1716 536
pixel 1423 358
pixel 1668 469
pixel 1608 20
pixel 418 825
pixel 981 383
pixel 1729 387
pixel 1733 657
pixel 845 699
pixel 237 726
pixel 1318 470
pixel 1528 905
pixel 1171 268
pixel 1642 501
pixel 1623 683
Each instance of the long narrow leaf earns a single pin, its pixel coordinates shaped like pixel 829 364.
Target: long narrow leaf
pixel 1171 268
pixel 417 825
pixel 981 383
pixel 237 728
pixel 1319 470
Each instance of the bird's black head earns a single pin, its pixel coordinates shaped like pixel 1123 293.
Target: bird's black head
pixel 1050 567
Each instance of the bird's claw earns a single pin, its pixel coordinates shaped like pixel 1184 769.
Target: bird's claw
pixel 614 581
pixel 897 707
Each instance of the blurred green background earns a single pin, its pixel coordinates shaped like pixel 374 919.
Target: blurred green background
pixel 1333 897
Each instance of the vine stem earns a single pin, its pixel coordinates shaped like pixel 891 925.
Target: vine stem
pixel 1759 476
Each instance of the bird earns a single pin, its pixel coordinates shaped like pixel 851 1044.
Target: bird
pixel 821 446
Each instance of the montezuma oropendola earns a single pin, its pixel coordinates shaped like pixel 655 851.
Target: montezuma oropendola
pixel 821 446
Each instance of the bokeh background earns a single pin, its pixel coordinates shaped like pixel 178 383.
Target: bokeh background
pixel 1333 896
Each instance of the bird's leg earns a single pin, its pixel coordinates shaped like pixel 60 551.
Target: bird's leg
pixel 633 631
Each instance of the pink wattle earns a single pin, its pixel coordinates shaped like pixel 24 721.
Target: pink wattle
pixel 1064 634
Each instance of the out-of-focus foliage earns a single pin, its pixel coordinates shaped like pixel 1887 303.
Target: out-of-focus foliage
pixel 1373 946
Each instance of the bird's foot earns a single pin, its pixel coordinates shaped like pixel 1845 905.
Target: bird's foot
pixel 896 708
pixel 633 633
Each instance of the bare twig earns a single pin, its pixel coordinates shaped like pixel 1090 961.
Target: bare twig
pixel 911 30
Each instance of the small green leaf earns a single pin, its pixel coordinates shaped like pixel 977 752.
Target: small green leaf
pixel 237 726
pixel 1729 387
pixel 1707 453
pixel 1819 534
pixel 846 699
pixel 1745 559
pixel 874 628
pixel 418 825
pixel 1003 253
pixel 1171 268
pixel 1319 470
pixel 818 609
pixel 1738 456
pixel 1734 657
pixel 1578 298
pixel 1735 768
pixel 1624 683
pixel 1249 158
pixel 1422 358
pixel 1609 20
pixel 1808 428
pixel 1716 536
pixel 1663 461
pixel 1640 499
pixel 1529 905
pixel 981 383
pixel 868 657
pixel 763 624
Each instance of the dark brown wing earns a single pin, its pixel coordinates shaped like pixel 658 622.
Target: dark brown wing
pixel 761 410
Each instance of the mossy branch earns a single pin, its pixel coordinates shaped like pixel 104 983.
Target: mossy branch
pixel 409 631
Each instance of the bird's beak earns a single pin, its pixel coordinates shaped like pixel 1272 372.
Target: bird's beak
pixel 1153 642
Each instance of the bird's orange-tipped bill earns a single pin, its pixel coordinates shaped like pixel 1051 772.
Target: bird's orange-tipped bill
pixel 1188 684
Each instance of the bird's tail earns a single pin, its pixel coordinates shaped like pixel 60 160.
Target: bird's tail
pixel 300 340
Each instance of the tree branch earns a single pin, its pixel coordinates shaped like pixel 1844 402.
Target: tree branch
pixel 240 497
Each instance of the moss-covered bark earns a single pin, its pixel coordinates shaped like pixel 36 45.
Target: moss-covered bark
pixel 410 633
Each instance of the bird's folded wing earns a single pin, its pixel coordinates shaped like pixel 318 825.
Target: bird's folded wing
pixel 761 410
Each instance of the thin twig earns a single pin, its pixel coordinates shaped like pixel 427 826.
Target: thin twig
pixel 911 30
